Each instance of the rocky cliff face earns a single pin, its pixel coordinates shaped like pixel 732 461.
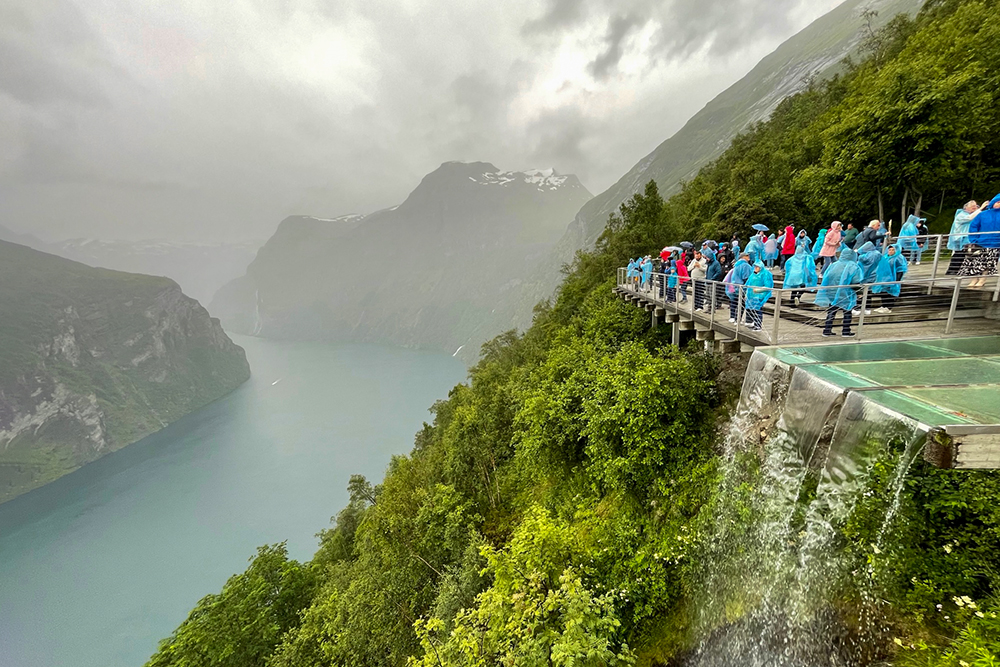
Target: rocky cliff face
pixel 425 273
pixel 92 360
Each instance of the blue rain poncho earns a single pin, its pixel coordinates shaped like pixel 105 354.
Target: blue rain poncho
pixel 672 278
pixel 738 276
pixel 886 271
pixel 819 243
pixel 647 271
pixel 838 279
pixel 736 247
pixel 771 248
pixel 800 269
pixel 755 249
pixel 759 282
pixel 987 221
pixel 908 233
pixel 803 241
pixel 868 259
pixel 632 270
pixel 899 264
pixel 958 238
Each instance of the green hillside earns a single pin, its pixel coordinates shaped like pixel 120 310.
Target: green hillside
pixel 92 360
pixel 565 504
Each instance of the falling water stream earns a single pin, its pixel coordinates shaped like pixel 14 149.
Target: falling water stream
pixel 777 564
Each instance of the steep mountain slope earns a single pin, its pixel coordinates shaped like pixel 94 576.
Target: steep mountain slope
pixel 92 360
pixel 424 273
pixel 815 52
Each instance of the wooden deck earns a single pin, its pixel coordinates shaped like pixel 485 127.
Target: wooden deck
pixel 919 315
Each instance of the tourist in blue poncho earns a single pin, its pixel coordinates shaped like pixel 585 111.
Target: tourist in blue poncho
pixel 984 235
pixel 736 246
pixel 632 272
pixel 891 268
pixel 800 272
pixel 803 241
pixel 714 275
pixel 868 259
pixel 837 291
pixel 819 243
pixel 958 238
pixel 770 251
pixel 908 238
pixel 647 271
pixel 672 280
pixel 759 286
pixel 738 276
pixel 755 249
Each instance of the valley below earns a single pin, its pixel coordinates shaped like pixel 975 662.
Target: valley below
pixel 121 549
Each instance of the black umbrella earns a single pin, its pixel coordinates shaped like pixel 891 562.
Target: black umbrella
pixel 687 244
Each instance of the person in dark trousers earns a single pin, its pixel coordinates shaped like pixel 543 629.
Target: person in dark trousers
pixel 713 274
pixel 837 292
pixel 741 271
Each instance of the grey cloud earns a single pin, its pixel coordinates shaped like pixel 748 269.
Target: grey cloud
pixel 619 28
pixel 218 125
pixel 560 14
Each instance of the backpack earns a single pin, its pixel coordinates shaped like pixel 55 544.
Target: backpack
pixel 728 280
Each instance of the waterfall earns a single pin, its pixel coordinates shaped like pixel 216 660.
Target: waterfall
pixel 774 568
pixel 257 323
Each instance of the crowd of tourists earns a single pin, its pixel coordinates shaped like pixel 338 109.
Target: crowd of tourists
pixel 833 266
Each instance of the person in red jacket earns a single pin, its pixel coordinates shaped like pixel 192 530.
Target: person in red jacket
pixel 787 245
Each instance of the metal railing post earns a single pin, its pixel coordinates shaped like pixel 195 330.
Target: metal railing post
pixel 954 305
pixel 715 307
pixel 777 315
pixel 864 306
pixel 934 267
pixel 739 309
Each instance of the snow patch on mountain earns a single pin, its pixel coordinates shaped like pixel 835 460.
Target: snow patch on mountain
pixel 543 179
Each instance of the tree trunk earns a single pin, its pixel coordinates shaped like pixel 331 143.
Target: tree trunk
pixel 881 208
pixel 902 211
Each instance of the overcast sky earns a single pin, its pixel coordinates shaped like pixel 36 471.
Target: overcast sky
pixel 188 119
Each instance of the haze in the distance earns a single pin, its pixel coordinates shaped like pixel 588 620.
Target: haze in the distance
pixel 193 120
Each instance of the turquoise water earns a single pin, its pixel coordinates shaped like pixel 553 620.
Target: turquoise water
pixel 98 566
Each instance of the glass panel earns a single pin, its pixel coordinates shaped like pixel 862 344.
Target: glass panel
pixel 978 346
pixel 960 370
pixel 979 403
pixel 871 351
pixel 915 408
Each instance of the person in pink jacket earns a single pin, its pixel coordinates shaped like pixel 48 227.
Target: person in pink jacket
pixel 831 243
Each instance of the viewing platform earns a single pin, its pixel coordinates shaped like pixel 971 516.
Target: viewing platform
pixel 931 363
pixel 931 303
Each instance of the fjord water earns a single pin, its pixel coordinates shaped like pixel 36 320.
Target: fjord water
pixel 98 566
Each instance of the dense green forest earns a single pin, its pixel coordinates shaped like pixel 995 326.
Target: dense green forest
pixel 559 508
